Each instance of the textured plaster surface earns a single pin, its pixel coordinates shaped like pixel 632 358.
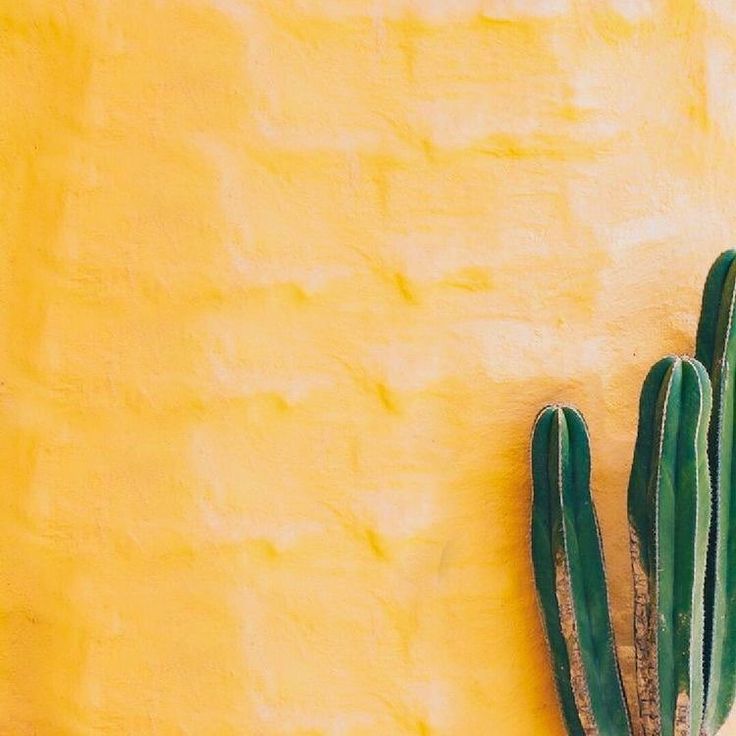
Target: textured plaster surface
pixel 283 284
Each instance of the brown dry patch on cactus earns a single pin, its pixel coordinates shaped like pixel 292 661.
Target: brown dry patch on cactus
pixel 569 632
pixel 682 715
pixel 645 644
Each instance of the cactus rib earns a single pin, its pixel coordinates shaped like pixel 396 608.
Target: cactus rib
pixel 669 516
pixel 570 577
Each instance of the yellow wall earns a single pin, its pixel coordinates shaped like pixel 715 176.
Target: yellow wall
pixel 282 285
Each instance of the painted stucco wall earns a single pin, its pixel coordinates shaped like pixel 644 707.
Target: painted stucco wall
pixel 282 286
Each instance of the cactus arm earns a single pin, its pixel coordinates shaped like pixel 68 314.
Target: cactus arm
pixel 669 510
pixel 716 306
pixel 544 497
pixel 569 573
pixel 716 348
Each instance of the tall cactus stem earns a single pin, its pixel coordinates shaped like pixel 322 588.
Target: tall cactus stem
pixel 669 515
pixel 716 349
pixel 570 577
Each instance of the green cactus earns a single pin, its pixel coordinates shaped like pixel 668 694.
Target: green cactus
pixel 570 577
pixel 669 516
pixel 716 348
pixel 682 539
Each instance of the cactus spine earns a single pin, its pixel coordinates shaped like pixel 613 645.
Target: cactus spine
pixel 570 577
pixel 716 348
pixel 669 516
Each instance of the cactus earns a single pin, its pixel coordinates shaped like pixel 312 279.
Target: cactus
pixel 669 515
pixel 682 539
pixel 570 577
pixel 716 348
